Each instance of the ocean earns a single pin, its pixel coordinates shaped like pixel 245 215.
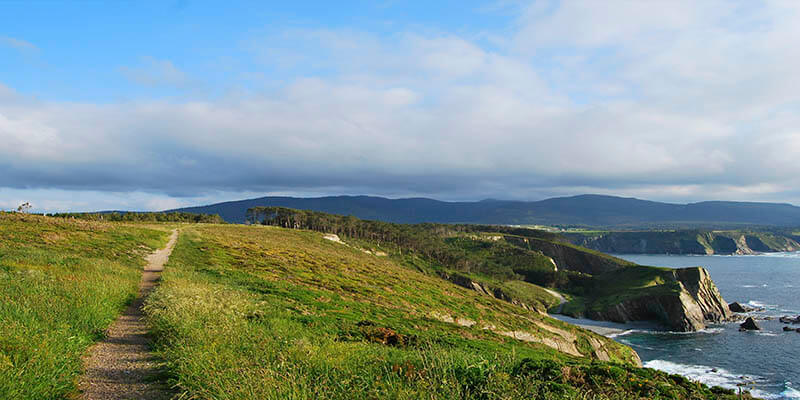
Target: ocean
pixel 722 355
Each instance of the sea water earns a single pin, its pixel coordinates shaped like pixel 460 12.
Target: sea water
pixel 722 355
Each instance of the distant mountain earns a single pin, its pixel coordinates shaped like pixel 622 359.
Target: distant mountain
pixel 585 210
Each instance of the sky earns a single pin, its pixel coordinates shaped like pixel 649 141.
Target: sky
pixel 152 105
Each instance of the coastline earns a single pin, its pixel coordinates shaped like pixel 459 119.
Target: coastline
pixel 607 328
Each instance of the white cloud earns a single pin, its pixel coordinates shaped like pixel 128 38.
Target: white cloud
pixel 663 99
pixel 19 44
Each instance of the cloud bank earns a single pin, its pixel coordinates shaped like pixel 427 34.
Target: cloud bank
pixel 669 100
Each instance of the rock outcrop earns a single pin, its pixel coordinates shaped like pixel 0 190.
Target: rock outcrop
pixel 740 308
pixel 790 320
pixel 486 290
pixel 568 257
pixel 686 242
pixel 749 325
pixel 695 302
pixel 736 307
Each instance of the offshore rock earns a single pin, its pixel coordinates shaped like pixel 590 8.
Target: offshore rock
pixel 736 307
pixel 790 320
pixel 749 325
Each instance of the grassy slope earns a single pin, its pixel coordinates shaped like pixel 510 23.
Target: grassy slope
pixel 258 312
pixel 61 284
pixel 614 287
pixel 493 263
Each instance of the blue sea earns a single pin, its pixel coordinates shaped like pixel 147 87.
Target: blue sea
pixel 721 355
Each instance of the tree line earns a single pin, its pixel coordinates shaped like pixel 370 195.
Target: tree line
pixel 145 217
pixel 448 247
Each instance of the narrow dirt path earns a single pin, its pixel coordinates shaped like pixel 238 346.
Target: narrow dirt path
pixel 122 366
pixel 561 299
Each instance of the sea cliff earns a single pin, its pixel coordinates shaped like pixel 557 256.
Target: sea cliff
pixel 685 242
pixel 685 301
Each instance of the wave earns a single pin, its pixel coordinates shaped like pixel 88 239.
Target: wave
pixel 702 373
pixel 656 332
pixel 627 332
pixel 794 254
pixel 756 303
pixel 789 392
pixel 721 377
pixel 701 331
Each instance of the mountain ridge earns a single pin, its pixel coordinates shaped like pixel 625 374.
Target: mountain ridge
pixel 580 210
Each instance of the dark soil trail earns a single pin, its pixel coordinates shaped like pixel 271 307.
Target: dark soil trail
pixel 123 366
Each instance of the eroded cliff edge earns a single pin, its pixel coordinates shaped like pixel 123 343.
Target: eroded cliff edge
pixel 686 242
pixel 683 300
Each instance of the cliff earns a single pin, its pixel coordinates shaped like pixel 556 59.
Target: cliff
pixel 569 257
pixel 685 242
pixel 685 301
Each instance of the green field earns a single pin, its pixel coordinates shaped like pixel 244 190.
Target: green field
pixel 270 313
pixel 62 282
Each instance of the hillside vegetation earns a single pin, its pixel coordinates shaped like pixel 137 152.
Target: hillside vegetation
pixel 273 313
pixel 116 216
pixel 62 282
pixel 493 259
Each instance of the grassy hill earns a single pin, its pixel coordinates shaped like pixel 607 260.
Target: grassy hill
pixel 272 313
pixel 472 255
pixel 583 210
pixel 265 312
pixel 62 283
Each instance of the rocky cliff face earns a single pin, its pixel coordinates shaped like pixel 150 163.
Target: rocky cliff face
pixel 568 257
pixel 686 242
pixel 695 303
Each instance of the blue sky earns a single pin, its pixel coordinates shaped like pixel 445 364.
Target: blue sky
pixel 153 105
pixel 80 51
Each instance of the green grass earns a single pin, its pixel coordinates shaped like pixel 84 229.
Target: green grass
pixel 61 284
pixel 530 294
pixel 269 313
pixel 615 287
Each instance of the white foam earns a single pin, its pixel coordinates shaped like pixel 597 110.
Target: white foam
pixel 755 303
pixel 795 254
pixel 702 373
pixel 790 392
pixel 627 332
pixel 762 333
pixel 655 332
